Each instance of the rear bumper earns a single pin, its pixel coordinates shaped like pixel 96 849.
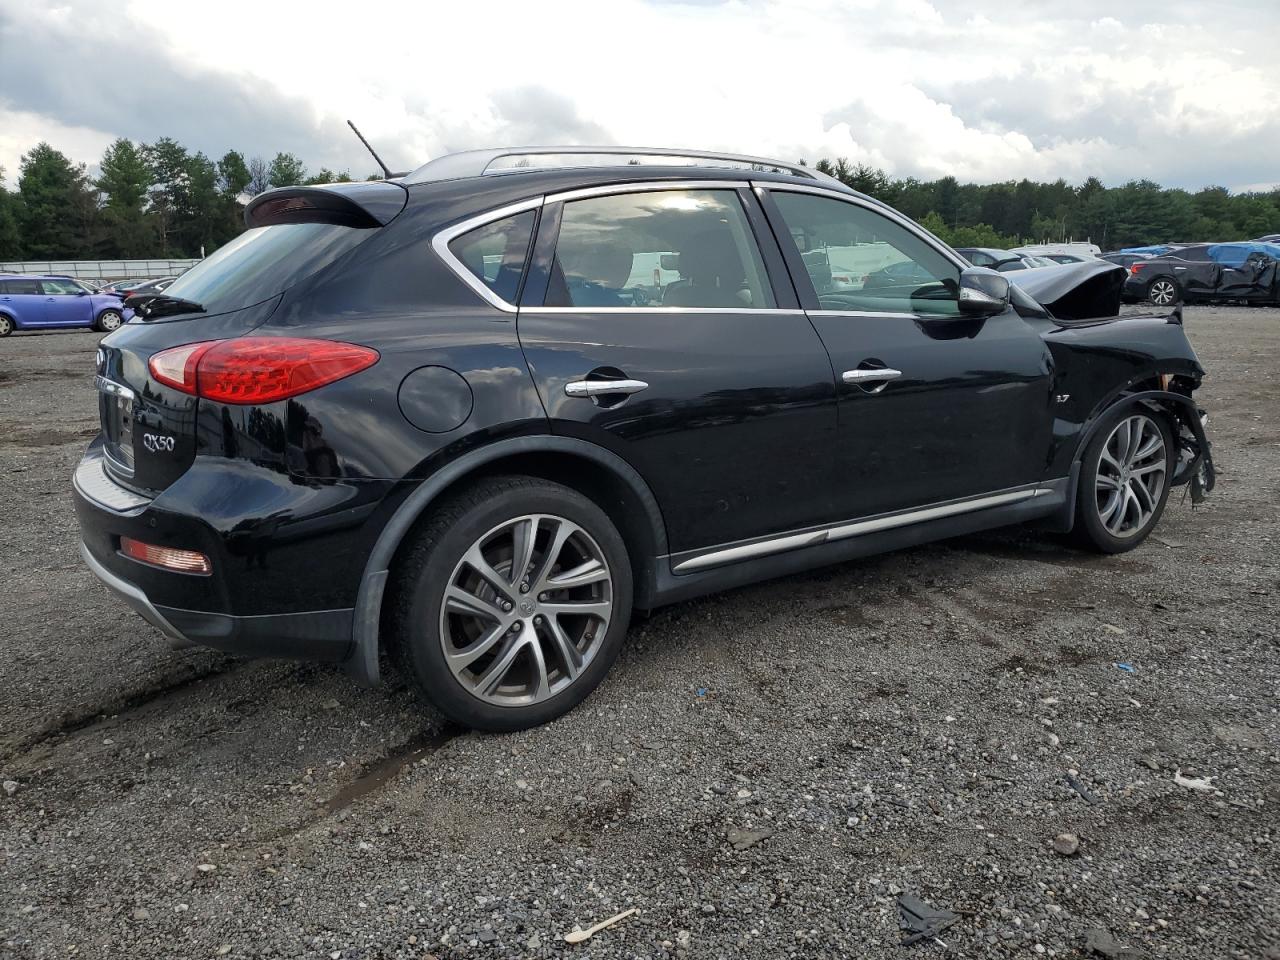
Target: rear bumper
pixel 286 557
pixel 312 635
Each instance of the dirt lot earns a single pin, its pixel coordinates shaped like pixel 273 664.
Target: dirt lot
pixel 905 723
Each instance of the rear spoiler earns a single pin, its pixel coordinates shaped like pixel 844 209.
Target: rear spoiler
pixel 364 205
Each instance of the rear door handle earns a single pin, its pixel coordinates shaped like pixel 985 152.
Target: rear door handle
pixel 599 388
pixel 870 375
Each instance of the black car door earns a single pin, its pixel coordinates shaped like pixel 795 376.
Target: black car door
pixel 701 372
pixel 933 406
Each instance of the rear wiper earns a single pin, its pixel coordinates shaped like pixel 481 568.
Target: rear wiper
pixel 161 305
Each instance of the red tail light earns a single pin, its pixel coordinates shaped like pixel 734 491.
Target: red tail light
pixel 258 369
pixel 1135 267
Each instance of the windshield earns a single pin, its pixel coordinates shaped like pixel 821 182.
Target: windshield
pixel 263 262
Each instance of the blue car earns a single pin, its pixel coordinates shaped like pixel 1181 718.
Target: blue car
pixel 37 303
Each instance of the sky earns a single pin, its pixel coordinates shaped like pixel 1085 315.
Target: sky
pixel 1183 92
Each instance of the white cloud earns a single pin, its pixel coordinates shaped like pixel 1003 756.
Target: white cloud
pixel 918 88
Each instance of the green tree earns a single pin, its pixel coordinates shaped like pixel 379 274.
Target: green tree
pixel 125 181
pixel 10 239
pixel 233 174
pixel 54 196
pixel 286 170
pixel 328 176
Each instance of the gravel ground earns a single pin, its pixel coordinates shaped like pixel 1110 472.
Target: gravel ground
pixel 761 775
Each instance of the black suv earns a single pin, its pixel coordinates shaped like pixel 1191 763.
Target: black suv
pixel 475 416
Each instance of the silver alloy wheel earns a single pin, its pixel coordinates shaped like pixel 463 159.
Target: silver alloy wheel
pixel 6 326
pixel 110 320
pixel 1131 475
pixel 526 610
pixel 1162 292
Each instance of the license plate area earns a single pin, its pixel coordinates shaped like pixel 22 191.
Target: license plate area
pixel 116 404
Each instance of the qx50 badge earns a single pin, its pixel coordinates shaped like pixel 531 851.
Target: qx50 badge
pixel 157 443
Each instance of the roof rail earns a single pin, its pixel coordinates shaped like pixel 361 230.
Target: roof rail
pixel 475 163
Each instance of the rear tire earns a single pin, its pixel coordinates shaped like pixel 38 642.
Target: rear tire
pixel 6 325
pixel 109 320
pixel 501 644
pixel 1164 291
pixel 1125 477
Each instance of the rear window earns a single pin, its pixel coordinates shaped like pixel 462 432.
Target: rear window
pixel 19 287
pixel 263 262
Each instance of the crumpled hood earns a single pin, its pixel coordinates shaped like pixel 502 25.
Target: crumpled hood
pixel 1075 291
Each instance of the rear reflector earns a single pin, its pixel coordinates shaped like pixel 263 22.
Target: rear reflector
pixel 252 370
pixel 167 558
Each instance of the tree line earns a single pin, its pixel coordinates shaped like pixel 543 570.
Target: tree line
pixel 1012 213
pixel 162 200
pixel 149 200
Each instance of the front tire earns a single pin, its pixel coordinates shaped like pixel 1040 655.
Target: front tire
pixel 1125 477
pixel 109 320
pixel 1163 291
pixel 6 325
pixel 512 603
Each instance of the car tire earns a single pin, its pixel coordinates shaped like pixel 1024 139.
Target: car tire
pixel 1125 477
pixel 496 669
pixel 6 325
pixel 1164 291
pixel 109 320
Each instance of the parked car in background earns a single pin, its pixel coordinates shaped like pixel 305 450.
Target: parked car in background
pixel 1269 238
pixel 30 302
pixel 991 258
pixel 1067 257
pixel 1208 271
pixel 1068 252
pixel 125 289
pixel 1003 260
pixel 1125 260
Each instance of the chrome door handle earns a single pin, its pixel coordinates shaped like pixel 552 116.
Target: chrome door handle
pixel 599 388
pixel 870 375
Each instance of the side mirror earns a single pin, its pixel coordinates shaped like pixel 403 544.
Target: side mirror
pixel 670 261
pixel 983 292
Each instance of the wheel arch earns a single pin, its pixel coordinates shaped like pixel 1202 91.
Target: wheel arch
pixel 1180 409
pixel 602 476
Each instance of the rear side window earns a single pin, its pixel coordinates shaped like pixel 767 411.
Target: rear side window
pixel 495 254
pixel 660 248
pixel 860 260
pixel 264 262
pixel 19 287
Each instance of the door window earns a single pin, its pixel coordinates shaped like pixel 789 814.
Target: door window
pixel 19 287
pixel 60 287
pixel 659 248
pixel 496 253
pixel 860 260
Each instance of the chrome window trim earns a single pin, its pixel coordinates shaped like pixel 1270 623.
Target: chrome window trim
pixel 874 313
pixel 643 186
pixel 440 244
pixel 885 211
pixel 776 311
pixel 857 528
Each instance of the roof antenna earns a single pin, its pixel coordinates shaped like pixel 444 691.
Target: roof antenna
pixel 385 169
